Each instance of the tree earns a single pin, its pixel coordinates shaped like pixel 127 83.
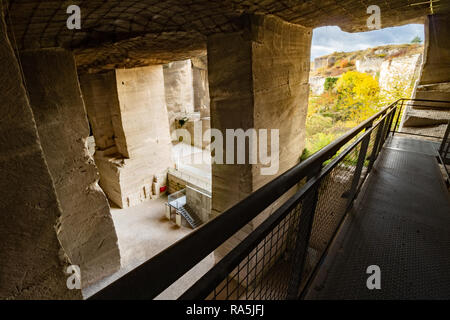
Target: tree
pixel 358 95
pixel 329 84
pixel 416 40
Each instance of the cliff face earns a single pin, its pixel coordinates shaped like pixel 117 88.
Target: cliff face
pixel 404 67
pixel 387 64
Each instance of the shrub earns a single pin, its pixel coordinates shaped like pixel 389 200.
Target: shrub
pixel 416 40
pixel 344 63
pixel 330 83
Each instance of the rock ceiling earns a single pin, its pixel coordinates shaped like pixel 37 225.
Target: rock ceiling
pixel 130 33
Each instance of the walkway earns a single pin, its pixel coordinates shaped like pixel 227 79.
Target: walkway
pixel 401 222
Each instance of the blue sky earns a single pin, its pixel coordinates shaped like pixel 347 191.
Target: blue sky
pixel 327 40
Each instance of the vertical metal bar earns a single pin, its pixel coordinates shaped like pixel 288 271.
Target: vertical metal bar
pixel 445 156
pixel 391 120
pixel 386 128
pixel 305 222
pixel 374 154
pixel 398 118
pixel 359 167
pixel 444 140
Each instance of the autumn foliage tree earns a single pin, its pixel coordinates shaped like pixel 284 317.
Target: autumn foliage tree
pixel 357 96
pixel 345 103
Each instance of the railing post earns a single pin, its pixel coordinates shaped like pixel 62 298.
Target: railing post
pixel 306 220
pixel 387 124
pixel 359 166
pixel 444 140
pixel 398 117
pixel 374 154
pixel 391 120
pixel 445 154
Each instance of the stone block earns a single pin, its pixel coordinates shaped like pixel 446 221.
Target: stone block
pixel 85 229
pixel 30 255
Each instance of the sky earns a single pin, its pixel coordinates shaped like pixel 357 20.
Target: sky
pixel 327 40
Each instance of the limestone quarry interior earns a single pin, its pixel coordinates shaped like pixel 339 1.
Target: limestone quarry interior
pixel 93 169
pixel 139 174
pixel 141 177
pixel 139 208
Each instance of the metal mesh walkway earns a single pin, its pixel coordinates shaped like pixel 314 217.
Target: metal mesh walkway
pixel 401 223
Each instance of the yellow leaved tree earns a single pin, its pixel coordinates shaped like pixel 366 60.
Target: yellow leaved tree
pixel 358 96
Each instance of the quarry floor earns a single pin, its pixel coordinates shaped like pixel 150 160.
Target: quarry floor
pixel 143 231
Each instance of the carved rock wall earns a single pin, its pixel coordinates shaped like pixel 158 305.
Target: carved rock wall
pixel 85 230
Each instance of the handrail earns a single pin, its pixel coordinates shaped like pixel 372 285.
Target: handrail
pixel 203 286
pixel 425 100
pixel 412 103
pixel 444 152
pixel 146 282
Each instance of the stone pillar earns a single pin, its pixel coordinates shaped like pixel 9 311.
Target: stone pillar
pixel 30 264
pixel 436 61
pixel 144 113
pixel 100 97
pixel 179 90
pixel 258 78
pixel 201 86
pixel 85 229
pixel 132 102
pixel 434 81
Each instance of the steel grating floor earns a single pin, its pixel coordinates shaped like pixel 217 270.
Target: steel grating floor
pixel 401 222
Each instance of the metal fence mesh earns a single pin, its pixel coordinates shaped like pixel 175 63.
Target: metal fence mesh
pixel 333 199
pixel 264 273
pixel 279 264
pixel 369 155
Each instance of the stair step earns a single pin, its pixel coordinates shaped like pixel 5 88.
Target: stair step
pixel 442 86
pixel 430 117
pixel 435 91
pixel 436 131
pixel 434 95
pixel 191 218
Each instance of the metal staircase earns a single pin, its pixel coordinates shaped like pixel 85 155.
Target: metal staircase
pixel 190 217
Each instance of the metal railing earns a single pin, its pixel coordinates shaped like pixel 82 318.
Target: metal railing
pixel 444 152
pixel 276 260
pixel 424 105
pixel 443 136
pixel 279 256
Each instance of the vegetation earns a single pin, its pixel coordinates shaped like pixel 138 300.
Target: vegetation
pixel 330 82
pixel 346 61
pixel 346 102
pixel 416 40
pixel 357 96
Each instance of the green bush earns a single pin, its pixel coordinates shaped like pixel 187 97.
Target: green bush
pixel 416 40
pixel 330 82
pixel 318 141
pixel 316 123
